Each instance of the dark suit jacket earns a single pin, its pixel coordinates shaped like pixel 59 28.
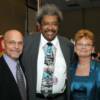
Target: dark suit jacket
pixel 30 55
pixel 8 87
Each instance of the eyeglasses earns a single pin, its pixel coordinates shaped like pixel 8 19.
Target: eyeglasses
pixel 84 45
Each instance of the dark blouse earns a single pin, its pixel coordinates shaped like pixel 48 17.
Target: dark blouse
pixel 86 87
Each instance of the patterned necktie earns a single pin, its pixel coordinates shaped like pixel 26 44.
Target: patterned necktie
pixel 47 79
pixel 20 81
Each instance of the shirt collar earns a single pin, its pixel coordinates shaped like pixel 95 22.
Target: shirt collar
pixel 9 61
pixel 44 41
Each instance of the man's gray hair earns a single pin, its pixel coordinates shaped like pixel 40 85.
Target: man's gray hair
pixel 48 9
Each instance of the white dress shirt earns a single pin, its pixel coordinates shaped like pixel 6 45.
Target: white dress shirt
pixel 60 67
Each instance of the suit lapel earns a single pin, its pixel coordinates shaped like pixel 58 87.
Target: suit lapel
pixel 8 74
pixel 65 49
pixel 35 48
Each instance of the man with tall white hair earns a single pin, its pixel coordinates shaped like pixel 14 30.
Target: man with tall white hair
pixel 47 57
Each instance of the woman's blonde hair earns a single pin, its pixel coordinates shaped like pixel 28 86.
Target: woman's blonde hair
pixel 84 33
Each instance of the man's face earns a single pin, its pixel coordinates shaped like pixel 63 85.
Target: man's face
pixel 13 44
pixel 49 27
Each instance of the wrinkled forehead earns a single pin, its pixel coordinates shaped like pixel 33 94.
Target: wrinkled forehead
pixel 13 35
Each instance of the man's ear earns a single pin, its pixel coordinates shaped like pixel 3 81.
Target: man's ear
pixel 3 44
pixel 38 27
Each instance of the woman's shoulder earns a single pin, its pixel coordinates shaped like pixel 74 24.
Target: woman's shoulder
pixel 97 63
pixel 97 72
pixel 97 66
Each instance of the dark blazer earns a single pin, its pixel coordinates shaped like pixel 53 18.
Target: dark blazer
pixel 30 55
pixel 8 87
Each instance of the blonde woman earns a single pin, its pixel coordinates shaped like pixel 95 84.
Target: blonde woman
pixel 85 73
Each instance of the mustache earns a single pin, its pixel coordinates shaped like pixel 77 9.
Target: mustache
pixel 48 30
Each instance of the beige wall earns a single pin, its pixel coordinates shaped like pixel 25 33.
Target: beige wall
pixel 12 15
pixel 74 20
pixel 31 23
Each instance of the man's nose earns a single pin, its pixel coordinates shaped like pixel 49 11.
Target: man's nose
pixel 17 45
pixel 50 26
